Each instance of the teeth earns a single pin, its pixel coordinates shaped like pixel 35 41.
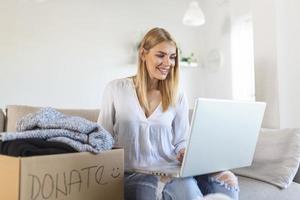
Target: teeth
pixel 163 71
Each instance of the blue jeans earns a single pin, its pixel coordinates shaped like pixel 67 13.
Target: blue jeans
pixel 145 187
pixel 208 184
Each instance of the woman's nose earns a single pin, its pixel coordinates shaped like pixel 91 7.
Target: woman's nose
pixel 167 61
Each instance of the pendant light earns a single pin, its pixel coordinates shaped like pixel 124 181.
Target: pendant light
pixel 194 15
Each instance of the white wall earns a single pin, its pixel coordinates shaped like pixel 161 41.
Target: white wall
pixel 276 59
pixel 215 82
pixel 277 45
pixel 288 59
pixel 63 52
pixel 265 56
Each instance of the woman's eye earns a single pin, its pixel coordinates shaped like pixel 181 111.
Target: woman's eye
pixel 173 57
pixel 160 56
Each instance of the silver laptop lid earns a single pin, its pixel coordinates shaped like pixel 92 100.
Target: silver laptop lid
pixel 223 135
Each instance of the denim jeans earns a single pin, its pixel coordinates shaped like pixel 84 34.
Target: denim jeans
pixel 146 187
pixel 208 184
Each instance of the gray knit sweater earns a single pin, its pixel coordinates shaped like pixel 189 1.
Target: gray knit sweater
pixel 49 124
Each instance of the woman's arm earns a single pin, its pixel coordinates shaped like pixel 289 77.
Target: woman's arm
pixel 181 125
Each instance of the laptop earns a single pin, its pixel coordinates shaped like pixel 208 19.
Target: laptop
pixel 223 135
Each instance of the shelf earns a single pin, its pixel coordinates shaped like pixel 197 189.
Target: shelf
pixel 189 65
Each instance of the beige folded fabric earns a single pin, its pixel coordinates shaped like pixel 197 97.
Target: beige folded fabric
pixel 276 159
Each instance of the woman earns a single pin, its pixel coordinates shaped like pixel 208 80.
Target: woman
pixel 148 117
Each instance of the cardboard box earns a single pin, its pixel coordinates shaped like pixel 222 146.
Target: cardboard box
pixel 73 176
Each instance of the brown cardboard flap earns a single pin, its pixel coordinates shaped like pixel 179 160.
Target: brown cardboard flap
pixel 74 176
pixel 9 177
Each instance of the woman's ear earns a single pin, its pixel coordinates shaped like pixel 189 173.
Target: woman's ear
pixel 142 53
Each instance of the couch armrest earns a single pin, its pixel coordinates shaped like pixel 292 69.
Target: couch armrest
pixel 297 177
pixel 2 120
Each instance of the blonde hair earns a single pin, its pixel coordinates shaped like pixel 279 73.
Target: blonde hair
pixel 168 87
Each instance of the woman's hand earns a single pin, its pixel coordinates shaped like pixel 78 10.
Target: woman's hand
pixel 180 155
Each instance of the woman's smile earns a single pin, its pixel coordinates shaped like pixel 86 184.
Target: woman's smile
pixel 163 70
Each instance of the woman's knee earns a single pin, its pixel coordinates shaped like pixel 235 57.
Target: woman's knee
pixel 140 187
pixel 182 188
pixel 226 177
pixel 225 182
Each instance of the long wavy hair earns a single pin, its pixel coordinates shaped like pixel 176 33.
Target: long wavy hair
pixel 169 86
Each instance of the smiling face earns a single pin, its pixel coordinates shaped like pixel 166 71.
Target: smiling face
pixel 160 60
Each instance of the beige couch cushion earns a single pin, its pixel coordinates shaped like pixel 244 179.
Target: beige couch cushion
pixel 2 120
pixel 15 112
pixel 277 157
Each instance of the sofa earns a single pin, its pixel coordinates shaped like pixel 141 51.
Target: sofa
pixel 250 189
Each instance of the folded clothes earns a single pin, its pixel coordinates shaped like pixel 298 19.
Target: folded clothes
pixel 33 147
pixel 49 124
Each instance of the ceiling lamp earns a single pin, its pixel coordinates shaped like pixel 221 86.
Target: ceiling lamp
pixel 194 15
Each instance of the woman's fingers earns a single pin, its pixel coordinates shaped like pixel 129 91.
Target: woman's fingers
pixel 180 155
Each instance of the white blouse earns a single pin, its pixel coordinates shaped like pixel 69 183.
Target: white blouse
pixel 147 141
